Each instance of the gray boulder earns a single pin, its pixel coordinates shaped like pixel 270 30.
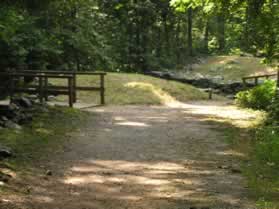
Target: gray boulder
pixel 23 102
pixel 12 125
pixel 5 152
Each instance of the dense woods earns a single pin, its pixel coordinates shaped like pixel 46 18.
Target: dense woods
pixel 133 35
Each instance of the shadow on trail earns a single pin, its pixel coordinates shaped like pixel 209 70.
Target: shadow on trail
pixel 146 158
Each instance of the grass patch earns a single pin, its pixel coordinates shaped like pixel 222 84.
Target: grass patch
pixel 262 176
pixel 256 146
pixel 127 89
pixel 44 136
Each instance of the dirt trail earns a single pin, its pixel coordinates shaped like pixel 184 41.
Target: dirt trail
pixel 145 158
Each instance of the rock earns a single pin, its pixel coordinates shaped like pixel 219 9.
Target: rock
pixel 233 62
pixel 32 97
pixel 51 98
pixel 231 97
pixel 23 102
pixel 271 164
pixel 199 76
pixel 236 170
pixel 5 152
pixel 213 69
pixel 4 177
pixel 166 75
pixel 28 190
pixel 28 117
pixel 224 167
pixel 13 107
pixel 9 111
pixel 49 173
pixel 218 79
pixel 3 118
pixel 204 81
pixel 12 125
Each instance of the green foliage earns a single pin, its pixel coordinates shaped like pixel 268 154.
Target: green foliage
pixel 259 97
pixel 267 147
pixel 132 35
pixel 274 111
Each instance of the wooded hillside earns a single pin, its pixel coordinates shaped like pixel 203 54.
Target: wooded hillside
pixel 133 35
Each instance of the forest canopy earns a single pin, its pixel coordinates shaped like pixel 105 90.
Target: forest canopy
pixel 133 35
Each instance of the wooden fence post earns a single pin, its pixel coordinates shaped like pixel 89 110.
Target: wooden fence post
pixel 210 94
pixel 71 92
pixel 12 87
pixel 102 92
pixel 46 88
pixel 41 90
pixel 256 81
pixel 75 87
pixel 244 83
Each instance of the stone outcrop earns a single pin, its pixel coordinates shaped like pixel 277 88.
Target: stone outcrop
pixel 204 83
pixel 18 112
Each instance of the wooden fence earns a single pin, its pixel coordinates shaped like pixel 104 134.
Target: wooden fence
pixel 257 77
pixel 43 89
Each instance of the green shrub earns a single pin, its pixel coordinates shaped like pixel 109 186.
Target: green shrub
pixel 274 111
pixel 259 97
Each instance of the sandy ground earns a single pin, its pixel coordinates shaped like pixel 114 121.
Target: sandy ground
pixel 137 157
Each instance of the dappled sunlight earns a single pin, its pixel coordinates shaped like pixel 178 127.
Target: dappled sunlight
pixel 231 153
pixel 122 180
pixel 165 98
pixel 130 123
pixel 44 199
pixel 166 157
pixel 226 59
pixel 119 118
pixel 220 112
pixel 121 121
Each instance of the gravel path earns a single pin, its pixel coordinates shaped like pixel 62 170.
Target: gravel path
pixel 137 157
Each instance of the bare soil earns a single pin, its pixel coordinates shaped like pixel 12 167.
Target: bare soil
pixel 142 157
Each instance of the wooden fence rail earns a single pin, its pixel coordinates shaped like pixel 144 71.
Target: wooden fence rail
pixel 44 89
pixel 100 88
pixel 257 77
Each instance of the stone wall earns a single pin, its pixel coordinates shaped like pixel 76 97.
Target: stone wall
pixel 203 83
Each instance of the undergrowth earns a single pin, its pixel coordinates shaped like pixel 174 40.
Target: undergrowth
pixel 263 169
pixel 45 135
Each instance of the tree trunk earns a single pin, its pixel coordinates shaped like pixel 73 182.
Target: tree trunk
pixel 159 49
pixel 138 58
pixel 190 28
pixel 206 36
pixel 221 31
pixel 178 47
pixel 166 30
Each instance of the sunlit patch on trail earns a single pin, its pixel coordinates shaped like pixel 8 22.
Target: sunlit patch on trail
pixel 122 179
pixel 164 97
pixel 224 113
pixel 130 123
pixel 217 111
pixel 43 199
pixel 231 153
